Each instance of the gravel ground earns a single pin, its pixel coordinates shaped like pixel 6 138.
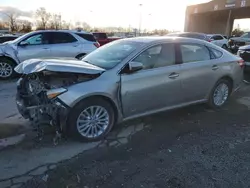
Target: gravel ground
pixel 190 147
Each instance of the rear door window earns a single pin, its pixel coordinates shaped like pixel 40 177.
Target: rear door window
pixel 87 37
pixel 61 38
pixel 194 52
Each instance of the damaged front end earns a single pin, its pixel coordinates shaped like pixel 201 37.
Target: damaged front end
pixel 38 91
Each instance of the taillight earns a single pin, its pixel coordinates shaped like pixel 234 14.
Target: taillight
pixel 97 44
pixel 209 40
pixel 241 63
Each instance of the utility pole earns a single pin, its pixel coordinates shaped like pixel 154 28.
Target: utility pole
pixel 140 19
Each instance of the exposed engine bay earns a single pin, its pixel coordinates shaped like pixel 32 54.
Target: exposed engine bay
pixel 34 102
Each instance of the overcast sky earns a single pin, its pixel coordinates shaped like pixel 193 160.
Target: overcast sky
pixel 167 14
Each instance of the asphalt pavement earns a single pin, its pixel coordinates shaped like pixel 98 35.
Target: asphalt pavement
pixel 190 147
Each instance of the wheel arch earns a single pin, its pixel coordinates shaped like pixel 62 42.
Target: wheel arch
pixel 228 78
pixel 105 98
pixel 9 58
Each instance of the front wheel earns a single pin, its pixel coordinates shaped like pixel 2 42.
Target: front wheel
pixel 91 119
pixel 220 94
pixel 6 68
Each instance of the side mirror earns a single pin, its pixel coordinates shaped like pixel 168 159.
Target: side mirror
pixel 135 66
pixel 23 43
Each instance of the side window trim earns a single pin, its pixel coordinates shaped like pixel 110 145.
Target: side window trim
pixel 213 54
pixel 148 47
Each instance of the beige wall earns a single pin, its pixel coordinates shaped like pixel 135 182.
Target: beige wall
pixel 203 18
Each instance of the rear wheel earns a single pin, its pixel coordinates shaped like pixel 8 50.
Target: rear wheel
pixel 91 119
pixel 220 93
pixel 7 68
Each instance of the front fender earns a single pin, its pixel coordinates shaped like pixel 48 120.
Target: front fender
pixel 8 50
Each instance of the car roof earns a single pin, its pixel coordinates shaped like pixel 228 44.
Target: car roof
pixel 67 31
pixel 181 33
pixel 155 39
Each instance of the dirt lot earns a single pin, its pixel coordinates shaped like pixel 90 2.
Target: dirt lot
pixel 191 147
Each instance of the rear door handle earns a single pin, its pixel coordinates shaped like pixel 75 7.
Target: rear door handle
pixel 45 48
pixel 215 67
pixel 173 75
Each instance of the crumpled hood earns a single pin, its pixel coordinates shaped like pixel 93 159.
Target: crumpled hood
pixel 57 65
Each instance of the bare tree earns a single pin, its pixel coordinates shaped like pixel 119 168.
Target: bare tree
pixel 83 26
pixel 11 18
pixel 66 25
pixel 24 26
pixel 43 17
pixel 3 25
pixel 56 21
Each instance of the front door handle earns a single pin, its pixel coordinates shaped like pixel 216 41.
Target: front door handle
pixel 173 75
pixel 215 67
pixel 45 48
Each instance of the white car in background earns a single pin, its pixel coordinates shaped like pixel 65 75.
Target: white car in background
pixel 218 39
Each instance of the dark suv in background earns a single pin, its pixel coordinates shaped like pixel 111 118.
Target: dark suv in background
pixel 235 42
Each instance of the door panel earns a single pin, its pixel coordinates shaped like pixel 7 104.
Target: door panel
pixel 151 89
pixel 196 80
pixel 197 74
pixel 64 45
pixel 33 51
pixel 37 47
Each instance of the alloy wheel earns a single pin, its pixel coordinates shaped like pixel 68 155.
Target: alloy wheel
pixel 221 94
pixel 93 121
pixel 5 70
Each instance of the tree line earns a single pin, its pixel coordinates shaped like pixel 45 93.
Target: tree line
pixel 46 20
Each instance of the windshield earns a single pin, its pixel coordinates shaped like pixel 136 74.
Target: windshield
pixel 245 35
pixel 112 54
pixel 20 37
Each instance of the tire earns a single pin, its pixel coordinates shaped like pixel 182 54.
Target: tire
pixel 75 127
pixel 211 101
pixel 7 66
pixel 80 56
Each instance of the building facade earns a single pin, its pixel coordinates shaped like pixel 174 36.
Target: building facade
pixel 216 16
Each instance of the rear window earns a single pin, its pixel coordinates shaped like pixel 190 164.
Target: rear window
pixel 215 54
pixel 87 37
pixel 100 35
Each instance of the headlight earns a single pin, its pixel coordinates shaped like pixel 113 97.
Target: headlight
pixel 53 93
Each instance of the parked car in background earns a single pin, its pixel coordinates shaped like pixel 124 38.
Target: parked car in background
pixel 218 40
pixel 244 53
pixel 103 38
pixel 194 35
pixel 44 44
pixel 235 42
pixel 126 79
pixel 6 38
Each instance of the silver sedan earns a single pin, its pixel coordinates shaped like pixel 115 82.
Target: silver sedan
pixel 126 79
